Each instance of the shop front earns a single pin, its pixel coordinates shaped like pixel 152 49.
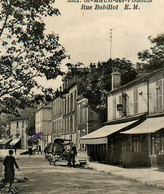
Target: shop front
pixel 143 145
pixel 104 144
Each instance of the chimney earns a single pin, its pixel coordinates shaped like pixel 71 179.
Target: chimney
pixel 116 78
pixel 92 67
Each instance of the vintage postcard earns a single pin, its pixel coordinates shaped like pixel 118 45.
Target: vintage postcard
pixel 81 96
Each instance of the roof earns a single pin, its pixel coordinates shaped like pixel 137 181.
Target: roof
pixel 150 125
pixel 5 141
pixel 138 80
pixel 14 141
pixel 100 135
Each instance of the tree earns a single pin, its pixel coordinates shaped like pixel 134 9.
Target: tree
pixel 95 85
pixel 27 52
pixel 153 58
pixel 30 130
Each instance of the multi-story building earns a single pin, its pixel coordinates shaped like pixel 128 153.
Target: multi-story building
pixel 65 108
pixel 18 128
pixel 133 134
pixel 87 120
pixel 43 124
pixel 58 122
pixel 71 116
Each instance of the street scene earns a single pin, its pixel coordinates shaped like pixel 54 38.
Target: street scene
pixel 46 178
pixel 81 96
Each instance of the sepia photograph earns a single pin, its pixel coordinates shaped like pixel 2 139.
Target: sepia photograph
pixel 81 96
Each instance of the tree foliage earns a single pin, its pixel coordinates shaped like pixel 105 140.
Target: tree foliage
pixel 153 58
pixel 95 85
pixel 27 52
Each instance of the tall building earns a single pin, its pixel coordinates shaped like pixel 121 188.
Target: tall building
pixel 71 117
pixel 43 124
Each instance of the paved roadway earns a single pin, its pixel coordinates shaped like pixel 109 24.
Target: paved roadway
pixel 59 179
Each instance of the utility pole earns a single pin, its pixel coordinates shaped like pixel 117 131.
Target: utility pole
pixel 110 39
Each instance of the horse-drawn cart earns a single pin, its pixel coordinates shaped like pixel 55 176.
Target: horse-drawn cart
pixel 62 150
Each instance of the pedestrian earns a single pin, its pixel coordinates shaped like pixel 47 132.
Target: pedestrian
pixel 69 158
pixel 39 149
pixel 45 150
pixel 30 151
pixel 9 163
pixel 73 154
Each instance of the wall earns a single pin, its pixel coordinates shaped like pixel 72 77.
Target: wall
pixel 128 95
pixel 19 131
pixel 153 90
pixel 43 123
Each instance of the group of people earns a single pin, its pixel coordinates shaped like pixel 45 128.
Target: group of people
pixel 32 150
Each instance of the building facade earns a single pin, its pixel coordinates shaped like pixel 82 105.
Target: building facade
pixel 43 124
pixel 71 117
pixel 87 120
pixel 18 128
pixel 140 104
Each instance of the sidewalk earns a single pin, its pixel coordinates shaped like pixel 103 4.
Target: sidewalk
pixel 147 176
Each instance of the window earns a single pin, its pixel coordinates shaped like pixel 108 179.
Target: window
pixel 135 144
pixel 71 102
pixel 120 102
pixel 114 108
pixel 83 112
pixel 22 124
pixel 78 113
pixel 82 146
pixel 159 96
pixel 135 97
pixel 17 124
pixel 71 122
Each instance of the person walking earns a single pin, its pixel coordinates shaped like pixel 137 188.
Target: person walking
pixel 9 163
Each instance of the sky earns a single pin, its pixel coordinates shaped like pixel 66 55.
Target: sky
pixel 85 33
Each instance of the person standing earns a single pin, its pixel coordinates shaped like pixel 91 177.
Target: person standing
pixel 9 163
pixel 39 149
pixel 73 154
pixel 30 151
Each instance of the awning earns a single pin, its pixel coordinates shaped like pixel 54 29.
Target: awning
pixel 100 135
pixel 14 142
pixel 5 141
pixel 1 140
pixel 150 125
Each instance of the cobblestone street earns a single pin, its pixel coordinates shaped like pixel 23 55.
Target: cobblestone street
pixel 46 178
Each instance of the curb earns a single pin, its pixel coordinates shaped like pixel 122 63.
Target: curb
pixel 128 178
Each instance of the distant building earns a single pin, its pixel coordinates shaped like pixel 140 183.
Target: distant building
pixel 71 117
pixel 58 121
pixel 87 120
pixel 43 124
pixel 18 128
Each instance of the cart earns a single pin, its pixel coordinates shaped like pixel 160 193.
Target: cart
pixel 61 151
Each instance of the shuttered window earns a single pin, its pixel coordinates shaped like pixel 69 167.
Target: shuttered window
pixel 159 103
pixel 135 97
pixel 120 102
pixel 114 108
